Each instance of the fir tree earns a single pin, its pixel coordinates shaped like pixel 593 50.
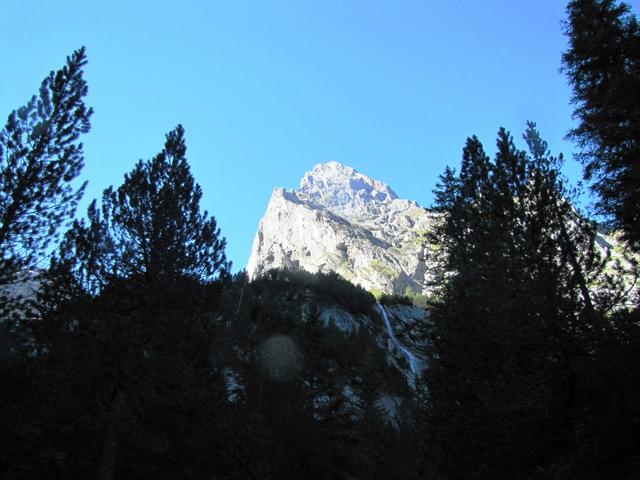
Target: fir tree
pixel 511 318
pixel 603 67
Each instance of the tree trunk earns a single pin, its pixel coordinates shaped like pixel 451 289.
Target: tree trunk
pixel 107 464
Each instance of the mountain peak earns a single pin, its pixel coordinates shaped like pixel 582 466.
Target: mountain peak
pixel 344 221
pixel 342 188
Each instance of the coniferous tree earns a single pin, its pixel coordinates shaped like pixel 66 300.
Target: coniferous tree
pixel 150 228
pixel 603 67
pixel 125 334
pixel 40 156
pixel 151 254
pixel 511 321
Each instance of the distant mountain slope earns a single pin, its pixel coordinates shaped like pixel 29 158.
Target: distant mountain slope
pixel 330 338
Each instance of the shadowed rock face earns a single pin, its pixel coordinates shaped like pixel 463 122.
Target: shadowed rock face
pixel 341 220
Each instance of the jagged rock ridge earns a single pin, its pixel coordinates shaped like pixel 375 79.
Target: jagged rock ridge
pixel 341 220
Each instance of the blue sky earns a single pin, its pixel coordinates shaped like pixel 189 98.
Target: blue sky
pixel 267 89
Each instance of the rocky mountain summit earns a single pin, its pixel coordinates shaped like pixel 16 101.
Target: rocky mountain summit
pixel 344 221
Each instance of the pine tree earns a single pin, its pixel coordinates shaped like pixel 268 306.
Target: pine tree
pixel 40 156
pixel 603 67
pixel 126 330
pixel 150 228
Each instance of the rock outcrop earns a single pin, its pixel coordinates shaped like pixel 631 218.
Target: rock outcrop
pixel 341 220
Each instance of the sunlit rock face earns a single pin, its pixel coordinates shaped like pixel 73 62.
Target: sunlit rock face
pixel 341 220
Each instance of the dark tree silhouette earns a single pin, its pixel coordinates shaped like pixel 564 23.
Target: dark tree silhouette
pixel 40 156
pixel 149 256
pixel 603 67
pixel 122 336
pixel 151 227
pixel 511 318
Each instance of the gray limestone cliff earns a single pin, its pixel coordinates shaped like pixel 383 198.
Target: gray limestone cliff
pixel 341 220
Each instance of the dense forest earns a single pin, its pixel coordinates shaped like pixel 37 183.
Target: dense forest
pixel 129 350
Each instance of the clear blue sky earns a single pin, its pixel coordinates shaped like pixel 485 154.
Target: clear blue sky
pixel 267 89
